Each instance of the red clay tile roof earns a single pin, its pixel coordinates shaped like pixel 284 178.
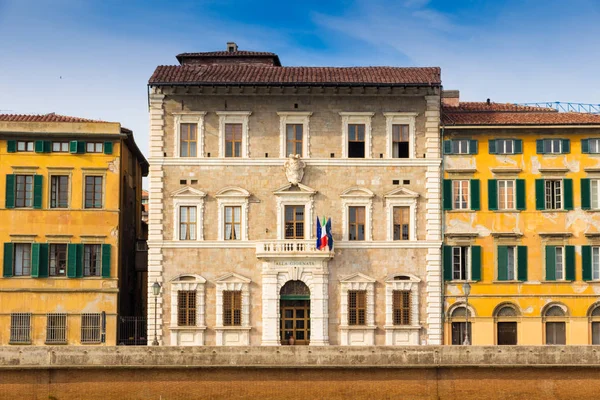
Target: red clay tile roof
pixel 470 106
pixel 268 75
pixel 43 118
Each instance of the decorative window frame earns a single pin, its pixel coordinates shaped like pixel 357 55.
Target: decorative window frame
pixel 188 196
pixel 233 196
pixel 197 118
pixel 233 335
pixel 401 197
pixel 234 117
pixel 188 335
pixel 403 118
pixel 402 334
pixel 357 335
pixel 357 118
pixel 292 117
pixel 358 196
pixel 305 197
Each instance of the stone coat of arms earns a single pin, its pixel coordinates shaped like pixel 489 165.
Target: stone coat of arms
pixel 294 169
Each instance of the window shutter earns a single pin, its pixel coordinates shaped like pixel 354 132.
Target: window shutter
pixel 47 146
pixel 43 265
pixel 73 146
pixel 475 196
pixel 586 201
pixel 566 146
pixel 37 191
pixel 106 260
pixel 540 199
pixel 475 263
pixel 518 146
pixel 447 146
pixel 11 146
pixel 492 146
pixel 550 263
pixel 39 146
pixel 586 263
pixel 472 146
pixel 71 260
pixel 80 147
pixel 502 263
pixel 521 195
pixel 447 195
pixel 539 146
pixel 570 263
pixel 522 263
pixel 79 261
pixel 10 192
pixel 568 194
pixel 585 146
pixel 108 147
pixel 492 194
pixel 35 260
pixel 8 260
pixel 447 262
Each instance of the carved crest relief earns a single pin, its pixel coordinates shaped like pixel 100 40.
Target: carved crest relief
pixel 294 169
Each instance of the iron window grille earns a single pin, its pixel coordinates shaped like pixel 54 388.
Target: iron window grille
pixel 56 328
pixel 20 328
pixel 91 328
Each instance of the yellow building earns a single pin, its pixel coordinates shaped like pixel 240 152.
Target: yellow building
pixel 521 206
pixel 70 212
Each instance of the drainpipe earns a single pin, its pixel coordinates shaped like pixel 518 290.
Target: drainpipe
pixel 443 297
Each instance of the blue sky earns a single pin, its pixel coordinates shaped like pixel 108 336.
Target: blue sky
pixel 93 58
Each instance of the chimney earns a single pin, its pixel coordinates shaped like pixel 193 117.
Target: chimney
pixel 231 47
pixel 450 98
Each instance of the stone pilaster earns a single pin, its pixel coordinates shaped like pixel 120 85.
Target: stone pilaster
pixel 319 310
pixel 270 310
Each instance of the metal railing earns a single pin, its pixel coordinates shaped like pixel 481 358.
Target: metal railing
pixel 566 107
pixel 132 331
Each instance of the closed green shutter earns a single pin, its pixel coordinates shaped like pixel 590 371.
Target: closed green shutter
pixel 47 146
pixel 585 146
pixel 73 146
pixel 8 260
pixel 108 147
pixel 586 201
pixel 540 199
pixel 447 146
pixel 568 194
pixel 521 195
pixel 570 263
pixel 106 260
pixel 492 194
pixel 475 263
pixel 522 263
pixel 472 146
pixel 43 266
pixel 475 195
pixel 586 263
pixel 10 192
pixel 37 191
pixel 550 263
pixel 11 146
pixel 518 146
pixel 447 194
pixel 539 146
pixel 72 261
pixel 502 263
pixel 80 147
pixel 447 262
pixel 79 260
pixel 492 146
pixel 35 260
pixel 39 146
pixel 566 146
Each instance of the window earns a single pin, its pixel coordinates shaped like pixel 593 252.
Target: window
pixel 594 146
pixel 93 192
pixel 60 147
pixel 461 329
pixel 59 191
pixel 233 140
pixel 94 147
pixel 553 194
pixel 188 140
pixel 294 139
pixel 555 325
pixel 233 223
pixel 357 307
pixel 596 263
pixel 294 222
pixel 56 328
pixel 511 263
pixel 460 263
pixel 401 307
pixel 595 322
pixel 460 194
pixel 559 264
pixel 232 308
pixel 22 259
pixel 24 191
pixel 400 141
pixel 552 146
pixel 595 193
pixel 58 259
pixel 460 146
pixel 23 145
pixel 356 223
pixel 506 195
pixel 187 223
pixel 186 308
pixel 356 140
pixel 20 328
pixel 91 328
pixel 92 260
pixel 401 223
pixel 506 326
pixel 505 146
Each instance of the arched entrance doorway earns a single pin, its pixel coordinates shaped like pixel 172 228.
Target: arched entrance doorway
pixel 294 325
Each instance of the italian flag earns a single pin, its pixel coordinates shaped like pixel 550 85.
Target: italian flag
pixel 324 237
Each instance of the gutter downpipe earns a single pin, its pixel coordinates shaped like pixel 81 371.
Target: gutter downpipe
pixel 443 282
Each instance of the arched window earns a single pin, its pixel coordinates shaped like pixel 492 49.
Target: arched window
pixel 594 316
pixel 506 324
pixel 555 325
pixel 461 329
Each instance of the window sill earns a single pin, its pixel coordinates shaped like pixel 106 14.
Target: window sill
pixel 188 328
pixel 20 343
pixel 555 211
pixel 508 281
pixel 358 327
pixel 402 327
pixel 232 328
pixel 507 211
pixel 462 211
pixel 558 281
pixel 461 281
pixel 56 343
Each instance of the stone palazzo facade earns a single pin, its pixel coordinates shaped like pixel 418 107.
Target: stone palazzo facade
pixel 245 155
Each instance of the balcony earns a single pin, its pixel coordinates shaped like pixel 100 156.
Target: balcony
pixel 275 249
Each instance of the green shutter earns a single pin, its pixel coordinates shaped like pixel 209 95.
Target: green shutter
pixel 492 146
pixel 35 260
pixel 550 263
pixel 568 194
pixel 73 146
pixel 502 263
pixel 472 146
pixel 10 192
pixel 586 263
pixel 106 260
pixel 475 196
pixel 540 199
pixel 475 263
pixel 11 146
pixel 37 191
pixel 566 146
pixel 80 147
pixel 43 266
pixel 521 195
pixel 586 201
pixel 518 146
pixel 585 146
pixel 71 260
pixel 539 146
pixel 39 146
pixel 79 261
pixel 447 195
pixel 447 146
pixel 492 194
pixel 447 262
pixel 522 263
pixel 8 260
pixel 47 146
pixel 570 263
pixel 108 147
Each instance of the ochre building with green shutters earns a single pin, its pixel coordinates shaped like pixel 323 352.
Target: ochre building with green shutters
pixel 70 211
pixel 521 199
